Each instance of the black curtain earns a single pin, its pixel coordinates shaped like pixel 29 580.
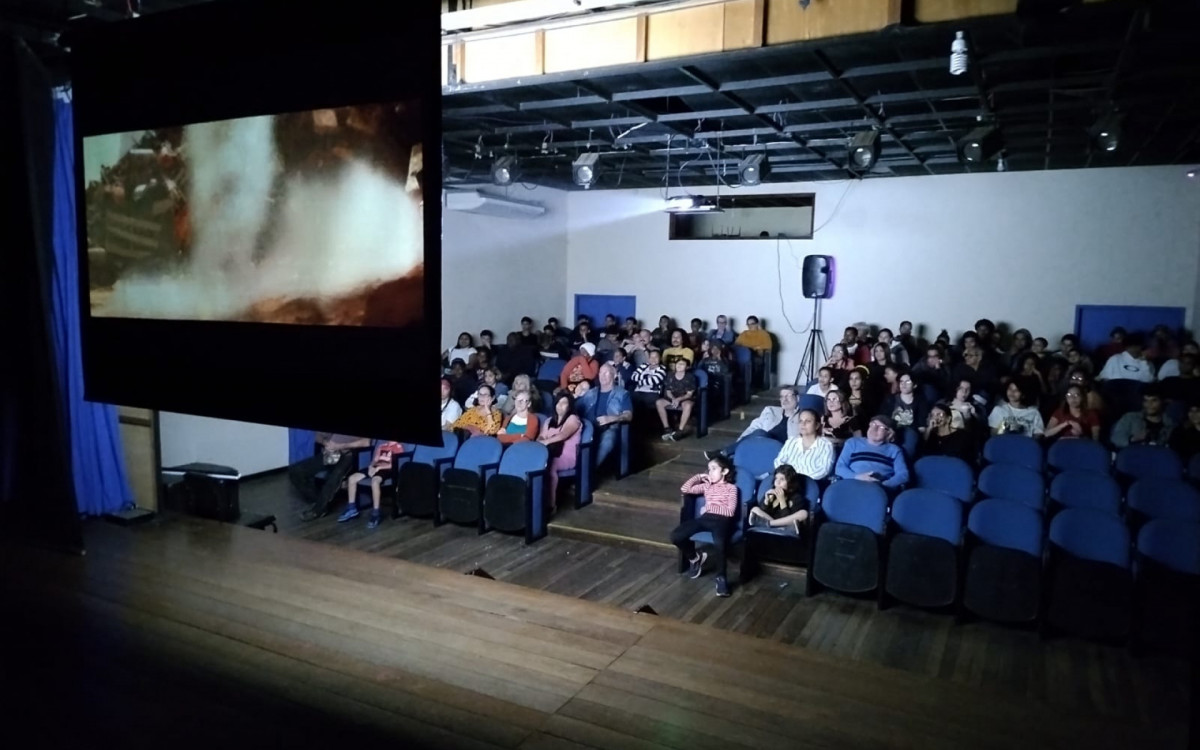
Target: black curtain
pixel 37 498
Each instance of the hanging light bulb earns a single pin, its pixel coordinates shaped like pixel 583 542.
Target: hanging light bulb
pixel 958 55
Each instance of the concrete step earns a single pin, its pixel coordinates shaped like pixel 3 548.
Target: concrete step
pixel 641 490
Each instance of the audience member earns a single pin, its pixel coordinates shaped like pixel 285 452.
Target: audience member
pixel 551 346
pixel 630 329
pixel 754 338
pixel 881 357
pixel 896 351
pixel 891 379
pixel 966 409
pixel 906 408
pixel 610 321
pixel 1016 415
pixel 857 394
pixel 679 349
pixel 783 505
pixel 697 330
pixel 1130 364
pixel 451 409
pixel 1161 346
pixel 1083 379
pixel 985 330
pixel 521 384
pixel 1115 345
pixel 464 349
pixel 1185 385
pixel 1170 368
pixel 809 453
pixel 774 422
pixel 1185 439
pixel 719 518
pixel 983 375
pixel 824 383
pixel 1027 375
pixel 1021 344
pixel 606 406
pixel 483 363
pixel 491 378
pixel 485 339
pixel 1150 426
pixel 841 422
pixel 906 339
pixel 380 469
pixel 932 373
pixel 522 424
pixel 581 367
pixel 874 458
pixel 722 332
pixel 638 346
pixel 648 380
pixel 516 358
pixel 661 336
pixel 849 343
pixel 337 459
pixel 483 418
pixel 678 392
pixel 561 434
pixel 624 368
pixel 583 334
pixel 1074 419
pixel 529 337
pixel 942 438
pixel 608 342
pixel 840 361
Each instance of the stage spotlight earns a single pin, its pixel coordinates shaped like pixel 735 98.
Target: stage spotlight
pixel 958 55
pixel 864 150
pixel 583 169
pixel 979 145
pixel 753 168
pixel 1107 132
pixel 504 170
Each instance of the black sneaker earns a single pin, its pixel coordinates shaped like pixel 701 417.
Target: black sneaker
pixel 696 569
pixel 722 586
pixel 679 434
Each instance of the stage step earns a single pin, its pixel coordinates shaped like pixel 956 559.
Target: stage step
pixel 625 526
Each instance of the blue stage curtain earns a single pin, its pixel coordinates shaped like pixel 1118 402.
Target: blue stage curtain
pixel 97 460
pixel 300 444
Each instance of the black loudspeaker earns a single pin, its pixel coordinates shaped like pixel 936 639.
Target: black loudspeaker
pixel 817 278
pixel 205 491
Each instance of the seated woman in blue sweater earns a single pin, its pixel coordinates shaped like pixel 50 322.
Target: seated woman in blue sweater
pixel 874 458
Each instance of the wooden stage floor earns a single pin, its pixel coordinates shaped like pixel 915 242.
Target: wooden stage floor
pixel 193 633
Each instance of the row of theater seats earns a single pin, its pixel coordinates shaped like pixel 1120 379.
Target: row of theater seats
pixel 478 481
pixel 1099 555
pixel 549 371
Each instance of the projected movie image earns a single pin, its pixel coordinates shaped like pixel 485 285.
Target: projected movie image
pixel 306 218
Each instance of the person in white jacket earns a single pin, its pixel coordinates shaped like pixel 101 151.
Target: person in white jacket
pixel 775 422
pixel 808 453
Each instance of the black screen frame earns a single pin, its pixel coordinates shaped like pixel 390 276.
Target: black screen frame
pixel 226 60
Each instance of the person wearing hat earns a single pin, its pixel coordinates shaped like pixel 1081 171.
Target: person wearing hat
pixel 581 367
pixel 874 458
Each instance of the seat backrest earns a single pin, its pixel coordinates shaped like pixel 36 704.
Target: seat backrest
pixel 1087 489
pixel 1021 450
pixel 1173 544
pixel 478 451
pixel 550 369
pixel 427 454
pixel 812 402
pixel 1121 396
pixel 701 377
pixel 854 501
pixel 522 458
pixel 1012 482
pixel 952 476
pixel 909 440
pixel 1172 499
pixel 756 455
pixel 930 513
pixel 742 354
pixel 1079 455
pixel 1091 535
pixel 1147 461
pixel 1003 523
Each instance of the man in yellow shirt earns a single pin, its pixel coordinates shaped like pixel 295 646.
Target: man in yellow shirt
pixel 754 337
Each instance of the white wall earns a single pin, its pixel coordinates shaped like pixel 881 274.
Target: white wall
pixel 1022 248
pixel 494 270
pixel 249 448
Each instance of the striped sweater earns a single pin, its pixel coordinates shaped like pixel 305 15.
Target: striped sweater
pixel 719 499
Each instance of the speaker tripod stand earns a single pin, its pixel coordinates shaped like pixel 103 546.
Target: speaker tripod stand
pixel 815 353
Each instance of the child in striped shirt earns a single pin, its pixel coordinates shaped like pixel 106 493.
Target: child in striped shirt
pixel 719 518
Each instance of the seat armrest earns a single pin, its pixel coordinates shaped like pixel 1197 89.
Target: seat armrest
pixel 687 509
